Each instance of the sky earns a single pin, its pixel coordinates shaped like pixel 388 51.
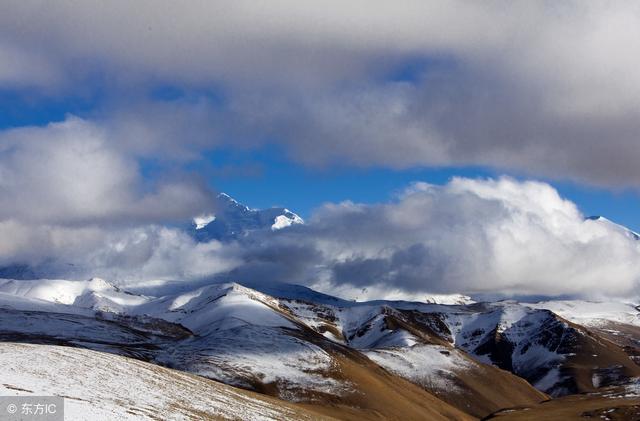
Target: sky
pixel 119 122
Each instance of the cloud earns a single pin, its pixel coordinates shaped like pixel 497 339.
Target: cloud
pixel 544 89
pixel 472 236
pixel 20 68
pixel 468 236
pixel 128 254
pixel 536 88
pixel 75 202
pixel 73 173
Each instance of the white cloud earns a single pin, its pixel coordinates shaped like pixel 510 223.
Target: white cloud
pixel 74 202
pixel 142 253
pixel 468 236
pixel 72 173
pixel 544 88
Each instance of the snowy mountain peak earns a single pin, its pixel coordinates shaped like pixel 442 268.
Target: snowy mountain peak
pixel 617 227
pixel 225 200
pixel 234 220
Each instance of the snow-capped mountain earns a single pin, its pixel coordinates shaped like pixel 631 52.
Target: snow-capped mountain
pixel 299 345
pixel 338 358
pixel 224 332
pixel 617 227
pixel 233 219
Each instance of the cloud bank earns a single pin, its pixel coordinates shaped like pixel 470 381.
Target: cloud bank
pixel 472 236
pixel 541 88
pixel 469 236
pixel 545 89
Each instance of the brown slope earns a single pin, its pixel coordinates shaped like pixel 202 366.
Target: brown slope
pixel 481 388
pixel 624 335
pixel 380 395
pixel 597 362
pixel 375 393
pixel 469 392
pixel 581 407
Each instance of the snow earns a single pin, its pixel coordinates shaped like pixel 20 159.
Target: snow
pixel 549 380
pixel 94 293
pixel 234 327
pixel 316 316
pixel 54 290
pixel 368 329
pixel 247 354
pixel 10 301
pixel 286 220
pixel 103 386
pixel 431 366
pixel 470 329
pixel 450 299
pixel 617 227
pixel 231 327
pixel 632 390
pixel 203 220
pixel 592 313
pixel 234 220
pixel 214 307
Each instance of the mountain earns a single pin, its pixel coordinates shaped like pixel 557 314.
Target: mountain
pixel 103 386
pixel 410 339
pixel 233 220
pixel 281 351
pixel 230 221
pixel 620 403
pixel 617 227
pixel 224 332
pixel 340 358
pixel 618 322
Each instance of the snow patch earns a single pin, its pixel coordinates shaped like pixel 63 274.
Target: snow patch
pixel 203 220
pixel 434 367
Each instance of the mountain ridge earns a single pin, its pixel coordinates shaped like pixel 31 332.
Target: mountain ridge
pixel 223 331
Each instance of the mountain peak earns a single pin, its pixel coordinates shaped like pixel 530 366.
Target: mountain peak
pixel 620 228
pixel 225 200
pixel 235 220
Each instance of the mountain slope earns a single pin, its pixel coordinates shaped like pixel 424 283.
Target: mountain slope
pixel 396 341
pixel 556 356
pixel 99 385
pixel 352 359
pixel 229 333
pixel 619 403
